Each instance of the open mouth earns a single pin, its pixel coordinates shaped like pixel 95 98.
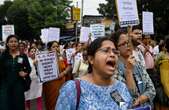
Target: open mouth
pixel 111 63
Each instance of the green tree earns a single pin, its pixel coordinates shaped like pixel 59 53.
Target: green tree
pixel 29 16
pixel 18 15
pixel 53 14
pixel 3 11
pixel 107 9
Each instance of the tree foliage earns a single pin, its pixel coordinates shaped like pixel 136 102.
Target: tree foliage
pixel 160 8
pixel 17 14
pixel 29 16
pixel 3 11
pixel 108 9
pixel 53 14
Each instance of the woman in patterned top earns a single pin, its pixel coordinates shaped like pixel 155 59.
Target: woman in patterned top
pixel 99 90
pixel 133 73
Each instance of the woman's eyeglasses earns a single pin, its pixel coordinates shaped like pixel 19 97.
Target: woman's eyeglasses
pixel 108 50
pixel 125 44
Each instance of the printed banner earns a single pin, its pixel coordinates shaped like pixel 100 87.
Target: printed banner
pixel 84 34
pixel 69 53
pixel 53 34
pixel 50 34
pixel 47 66
pixel 127 12
pixel 97 30
pixel 7 30
pixel 148 23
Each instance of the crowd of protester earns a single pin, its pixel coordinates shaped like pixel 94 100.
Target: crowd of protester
pixel 121 71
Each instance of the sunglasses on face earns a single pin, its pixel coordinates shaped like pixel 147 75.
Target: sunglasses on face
pixel 108 50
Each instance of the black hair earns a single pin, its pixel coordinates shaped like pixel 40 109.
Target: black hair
pixel 49 45
pixel 136 27
pixel 31 49
pixel 93 47
pixel 77 43
pixel 22 42
pixel 74 44
pixel 116 36
pixel 7 40
pixel 33 42
pixel 167 43
pixel 161 45
pixel 145 36
pixel 66 46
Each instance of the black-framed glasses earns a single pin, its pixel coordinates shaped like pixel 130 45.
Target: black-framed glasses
pixel 125 44
pixel 108 50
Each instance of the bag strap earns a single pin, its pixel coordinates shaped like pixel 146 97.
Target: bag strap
pixel 77 82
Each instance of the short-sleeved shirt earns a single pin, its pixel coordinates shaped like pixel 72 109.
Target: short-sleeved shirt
pixel 93 97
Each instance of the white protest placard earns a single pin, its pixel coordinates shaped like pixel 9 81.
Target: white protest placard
pixel 84 34
pixel 43 38
pixel 112 26
pixel 127 12
pixel 69 53
pixel 148 23
pixel 7 30
pixel 53 34
pixel 97 30
pixel 47 66
pixel 44 35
